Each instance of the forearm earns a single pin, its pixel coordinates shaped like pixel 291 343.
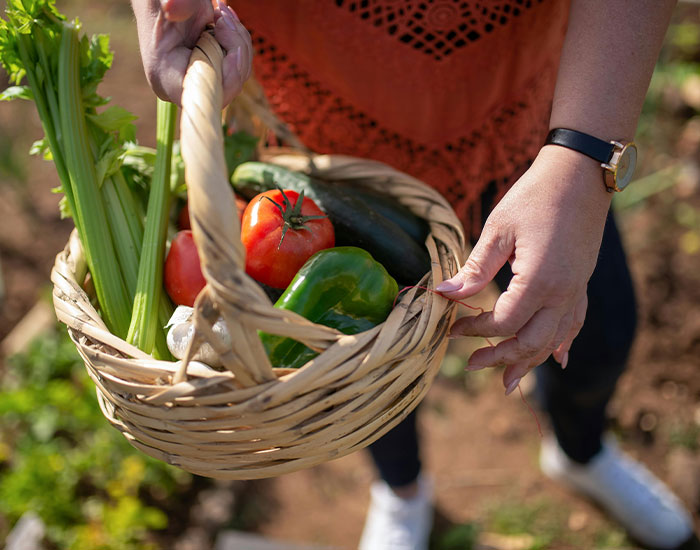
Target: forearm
pixel 608 57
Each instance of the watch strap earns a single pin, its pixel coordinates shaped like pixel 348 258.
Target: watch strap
pixel 591 146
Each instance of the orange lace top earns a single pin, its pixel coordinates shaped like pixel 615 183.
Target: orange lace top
pixel 456 93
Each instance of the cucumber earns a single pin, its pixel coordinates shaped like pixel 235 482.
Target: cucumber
pixel 415 226
pixel 356 223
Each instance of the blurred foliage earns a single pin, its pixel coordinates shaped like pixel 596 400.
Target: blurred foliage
pixel 12 166
pixel 668 133
pixel 459 537
pixel 668 100
pixel 684 434
pixel 542 519
pixel 60 458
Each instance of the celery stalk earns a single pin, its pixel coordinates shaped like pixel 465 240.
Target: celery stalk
pixel 89 209
pixel 145 314
pixel 63 73
pixel 47 106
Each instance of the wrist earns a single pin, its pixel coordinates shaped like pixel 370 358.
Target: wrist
pixel 617 158
pixel 577 174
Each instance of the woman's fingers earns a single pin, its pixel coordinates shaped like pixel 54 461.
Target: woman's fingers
pixel 489 255
pixel 535 339
pixel 235 40
pixel 561 354
pixel 179 10
pixel 547 333
pixel 513 374
pixel 168 33
pixel 561 334
pixel 167 59
pixel 512 310
pixel 167 84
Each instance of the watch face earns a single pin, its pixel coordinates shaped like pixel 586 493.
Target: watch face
pixel 626 165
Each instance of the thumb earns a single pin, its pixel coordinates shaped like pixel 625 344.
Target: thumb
pixel 179 10
pixel 490 253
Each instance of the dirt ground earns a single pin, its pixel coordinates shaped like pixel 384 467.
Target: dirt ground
pixel 480 447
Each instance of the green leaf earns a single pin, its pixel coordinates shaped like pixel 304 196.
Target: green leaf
pixel 16 92
pixel 108 164
pixel 41 147
pixel 64 209
pixel 9 55
pixel 116 119
pixel 95 58
pixel 63 205
pixel 239 147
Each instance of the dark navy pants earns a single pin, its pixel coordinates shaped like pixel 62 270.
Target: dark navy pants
pixel 575 398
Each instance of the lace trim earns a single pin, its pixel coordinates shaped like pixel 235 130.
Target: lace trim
pixel 461 169
pixel 436 27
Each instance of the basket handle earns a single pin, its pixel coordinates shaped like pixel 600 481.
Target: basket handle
pixel 210 199
pixel 214 220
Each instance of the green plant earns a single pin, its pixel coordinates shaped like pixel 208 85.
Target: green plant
pixel 60 458
pixel 463 536
pixel 540 518
pixel 685 435
pixel 607 539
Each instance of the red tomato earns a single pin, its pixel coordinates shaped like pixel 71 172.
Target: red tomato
pixel 274 259
pixel 182 274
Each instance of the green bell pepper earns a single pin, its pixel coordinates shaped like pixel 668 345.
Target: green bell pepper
pixel 343 288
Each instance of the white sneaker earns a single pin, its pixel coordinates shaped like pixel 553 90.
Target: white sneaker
pixel 638 500
pixel 395 523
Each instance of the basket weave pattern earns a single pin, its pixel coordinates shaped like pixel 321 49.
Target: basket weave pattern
pixel 250 420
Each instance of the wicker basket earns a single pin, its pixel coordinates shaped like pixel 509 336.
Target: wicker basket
pixel 250 420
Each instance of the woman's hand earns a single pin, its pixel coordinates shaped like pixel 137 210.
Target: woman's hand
pixel 550 223
pixel 549 226
pixel 168 31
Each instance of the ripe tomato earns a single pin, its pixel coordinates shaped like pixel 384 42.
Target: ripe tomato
pixel 182 274
pixel 280 231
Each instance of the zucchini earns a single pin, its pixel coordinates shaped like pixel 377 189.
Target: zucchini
pixel 414 225
pixel 356 223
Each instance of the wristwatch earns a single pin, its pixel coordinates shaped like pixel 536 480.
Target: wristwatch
pixel 617 158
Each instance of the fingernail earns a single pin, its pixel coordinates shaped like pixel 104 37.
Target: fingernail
pixel 229 20
pixel 448 286
pixel 565 360
pixel 511 387
pixel 239 59
pixel 474 364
